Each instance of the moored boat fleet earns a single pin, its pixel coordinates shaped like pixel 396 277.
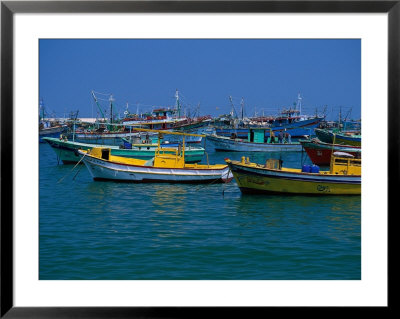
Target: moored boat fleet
pixel 154 150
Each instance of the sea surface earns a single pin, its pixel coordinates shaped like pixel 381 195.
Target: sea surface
pixel 122 231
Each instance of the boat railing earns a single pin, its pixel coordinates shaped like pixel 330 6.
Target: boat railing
pixel 168 151
pixel 345 165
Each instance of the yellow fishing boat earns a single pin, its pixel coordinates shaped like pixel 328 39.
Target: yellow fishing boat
pixel 342 178
pixel 167 165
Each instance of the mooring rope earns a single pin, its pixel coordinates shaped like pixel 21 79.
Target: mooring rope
pixel 71 169
pixel 213 181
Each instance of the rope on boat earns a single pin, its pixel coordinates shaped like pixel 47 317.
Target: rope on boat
pixel 72 169
pixel 223 186
pixel 212 182
pixel 202 186
pixel 80 167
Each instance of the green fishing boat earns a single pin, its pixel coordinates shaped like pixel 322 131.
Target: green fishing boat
pixel 340 137
pixel 67 151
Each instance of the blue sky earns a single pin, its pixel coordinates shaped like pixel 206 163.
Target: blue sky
pixel 267 74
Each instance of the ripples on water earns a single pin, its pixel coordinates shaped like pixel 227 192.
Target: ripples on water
pixel 109 230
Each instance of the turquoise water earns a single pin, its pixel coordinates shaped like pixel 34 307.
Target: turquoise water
pixel 109 230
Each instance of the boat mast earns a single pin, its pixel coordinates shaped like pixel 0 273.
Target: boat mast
pixel 111 99
pixel 98 105
pixel 242 108
pixel 298 105
pixel 41 107
pixel 178 106
pixel 233 110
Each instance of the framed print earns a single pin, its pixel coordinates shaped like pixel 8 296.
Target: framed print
pixel 196 157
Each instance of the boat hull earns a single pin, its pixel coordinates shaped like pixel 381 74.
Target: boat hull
pixel 295 129
pixel 337 138
pixel 104 170
pixel 50 132
pixel 235 145
pixel 67 151
pixel 320 153
pixel 268 181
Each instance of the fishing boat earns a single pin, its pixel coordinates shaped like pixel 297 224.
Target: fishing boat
pixel 48 127
pixel 101 135
pixel 67 151
pixel 342 178
pixel 290 120
pixel 47 130
pixel 256 141
pixel 342 138
pixel 168 165
pixel 320 153
pixel 168 119
pixel 106 130
pixel 162 118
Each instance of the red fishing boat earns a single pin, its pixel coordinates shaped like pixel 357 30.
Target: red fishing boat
pixel 320 152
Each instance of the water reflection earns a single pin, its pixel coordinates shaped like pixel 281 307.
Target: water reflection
pixel 333 218
pixel 169 198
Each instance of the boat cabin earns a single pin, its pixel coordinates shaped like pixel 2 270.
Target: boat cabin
pixel 169 157
pixel 258 135
pixel 163 113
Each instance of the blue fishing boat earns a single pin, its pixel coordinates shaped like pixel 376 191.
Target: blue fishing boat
pixel 48 127
pixel 290 120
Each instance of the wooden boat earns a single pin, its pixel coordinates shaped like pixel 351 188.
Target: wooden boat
pixel 342 138
pixel 320 153
pixel 296 129
pixel 168 165
pixel 290 120
pixel 342 178
pixel 67 151
pixel 255 142
pixel 101 136
pixel 48 127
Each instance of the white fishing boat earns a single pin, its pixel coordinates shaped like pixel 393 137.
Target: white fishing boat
pixel 168 165
pixel 256 142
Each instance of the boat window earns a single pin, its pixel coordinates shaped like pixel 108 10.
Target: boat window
pixel 105 154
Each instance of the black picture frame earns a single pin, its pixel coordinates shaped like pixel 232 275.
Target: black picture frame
pixel 9 8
